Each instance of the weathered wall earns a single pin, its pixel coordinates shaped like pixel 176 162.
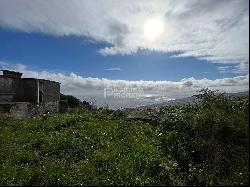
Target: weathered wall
pixel 12 74
pixel 29 87
pixel 23 93
pixel 51 91
pixel 25 109
pixel 26 90
pixel 10 89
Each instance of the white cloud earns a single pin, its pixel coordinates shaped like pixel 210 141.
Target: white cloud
pixel 217 31
pixel 224 69
pixel 113 69
pixel 89 88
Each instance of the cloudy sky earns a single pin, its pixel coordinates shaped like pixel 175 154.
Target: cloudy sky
pixel 168 49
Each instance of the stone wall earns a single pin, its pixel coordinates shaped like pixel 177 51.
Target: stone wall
pixel 51 91
pixel 26 109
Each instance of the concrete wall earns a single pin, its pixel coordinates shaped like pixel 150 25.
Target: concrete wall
pixel 12 74
pixel 51 91
pixel 30 89
pixel 27 89
pixel 10 89
pixel 25 95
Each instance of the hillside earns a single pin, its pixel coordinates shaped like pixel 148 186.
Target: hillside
pixel 201 144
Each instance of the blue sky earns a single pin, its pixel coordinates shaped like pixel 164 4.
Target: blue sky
pixel 77 54
pixel 171 49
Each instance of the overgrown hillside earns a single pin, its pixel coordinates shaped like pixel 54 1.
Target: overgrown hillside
pixel 201 144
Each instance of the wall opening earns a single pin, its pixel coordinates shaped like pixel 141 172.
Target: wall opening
pixel 41 95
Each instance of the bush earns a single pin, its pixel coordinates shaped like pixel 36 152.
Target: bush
pixel 209 139
pixel 71 100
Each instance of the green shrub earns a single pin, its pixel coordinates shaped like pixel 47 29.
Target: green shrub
pixel 71 100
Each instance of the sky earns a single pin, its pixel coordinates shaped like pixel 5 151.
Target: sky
pixel 100 49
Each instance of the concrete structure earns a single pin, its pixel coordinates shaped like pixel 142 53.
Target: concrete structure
pixel 28 96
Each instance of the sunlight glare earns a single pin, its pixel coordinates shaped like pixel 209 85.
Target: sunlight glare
pixel 153 28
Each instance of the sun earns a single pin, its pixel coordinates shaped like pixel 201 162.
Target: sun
pixel 153 28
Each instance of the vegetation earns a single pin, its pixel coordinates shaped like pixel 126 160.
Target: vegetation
pixel 205 143
pixel 71 100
